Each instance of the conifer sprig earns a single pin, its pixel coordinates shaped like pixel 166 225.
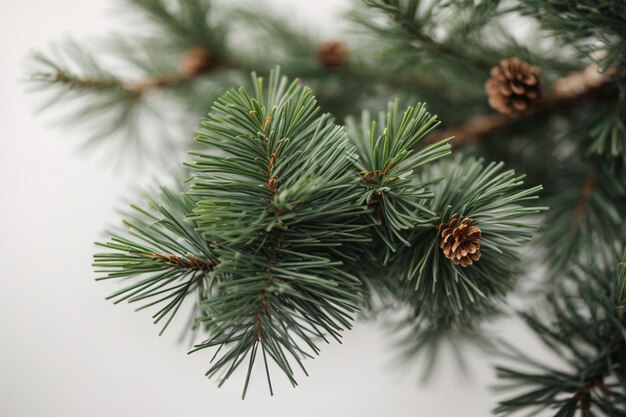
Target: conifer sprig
pixel 585 326
pixel 291 224
pixel 448 295
pixel 277 236
pixel 162 254
pixel 279 201
pixel 388 159
pixel 588 213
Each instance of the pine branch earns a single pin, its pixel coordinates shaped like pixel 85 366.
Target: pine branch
pixel 279 234
pixel 187 48
pixel 587 211
pixel 291 225
pixel 131 88
pixel 588 335
pixel 411 17
pixel 162 254
pixel 86 83
pixel 190 262
pixel 568 91
pixel 387 162
pixel 463 262
pixel 280 203
pixel 583 204
pixel 191 23
pixel 590 26
pixel 358 79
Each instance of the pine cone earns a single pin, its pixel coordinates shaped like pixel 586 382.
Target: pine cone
pixel 514 87
pixel 332 54
pixel 460 240
pixel 196 61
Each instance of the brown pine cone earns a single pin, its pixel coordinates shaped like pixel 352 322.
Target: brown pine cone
pixel 460 240
pixel 514 87
pixel 196 61
pixel 332 54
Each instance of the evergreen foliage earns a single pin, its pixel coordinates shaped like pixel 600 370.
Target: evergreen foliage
pixel 278 200
pixel 585 326
pixel 294 220
pixel 446 295
pixel 387 160
pixel 165 250
pixel 279 230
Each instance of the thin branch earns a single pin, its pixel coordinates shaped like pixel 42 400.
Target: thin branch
pixel 583 204
pixel 566 91
pixel 143 85
pixel 445 50
pixel 583 395
pixel 409 26
pixel 190 261
pixel 272 183
pixel 91 83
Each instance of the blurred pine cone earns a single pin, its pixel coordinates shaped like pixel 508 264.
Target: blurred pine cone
pixel 196 61
pixel 332 54
pixel 460 240
pixel 514 87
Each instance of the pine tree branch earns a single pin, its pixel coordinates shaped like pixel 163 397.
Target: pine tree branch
pixel 440 49
pixel 131 87
pixel 587 208
pixel 162 258
pixel 189 262
pixel 277 193
pixel 566 92
pixel 87 83
pixel 272 183
pixel 588 336
pixel 444 294
pixel 585 195
pixel 387 159
pixel 410 17
pixel 582 398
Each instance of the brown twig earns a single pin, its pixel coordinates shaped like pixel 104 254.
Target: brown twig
pixel 583 203
pixel 566 91
pixel 194 64
pixel 132 88
pixel 583 395
pixel 189 261
pixel 272 183
pixel 440 49
pixel 92 83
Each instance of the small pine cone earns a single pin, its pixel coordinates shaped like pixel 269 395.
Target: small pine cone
pixel 514 87
pixel 460 240
pixel 196 61
pixel 332 54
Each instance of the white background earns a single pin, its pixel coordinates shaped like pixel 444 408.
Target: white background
pixel 65 351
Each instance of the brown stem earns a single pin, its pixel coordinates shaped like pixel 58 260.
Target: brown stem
pixel 194 64
pixel 583 395
pixel 272 184
pixel 93 83
pixel 474 129
pixel 190 261
pixel 153 83
pixel 583 203
pixel 260 313
pixel 566 91
pixel 132 88
pixel 263 309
